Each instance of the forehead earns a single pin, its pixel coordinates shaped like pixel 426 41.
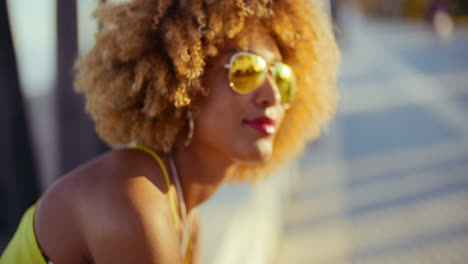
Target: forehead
pixel 260 43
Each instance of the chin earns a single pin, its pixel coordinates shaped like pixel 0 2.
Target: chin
pixel 258 153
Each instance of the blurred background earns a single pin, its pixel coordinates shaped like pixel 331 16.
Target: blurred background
pixel 387 183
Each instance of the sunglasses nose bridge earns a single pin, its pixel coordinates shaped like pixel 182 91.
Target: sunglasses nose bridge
pixel 268 93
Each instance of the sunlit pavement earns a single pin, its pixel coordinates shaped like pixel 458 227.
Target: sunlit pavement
pixel 389 181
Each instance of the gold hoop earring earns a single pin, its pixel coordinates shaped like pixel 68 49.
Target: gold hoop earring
pixel 191 126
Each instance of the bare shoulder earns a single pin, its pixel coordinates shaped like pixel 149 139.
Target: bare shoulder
pixel 116 208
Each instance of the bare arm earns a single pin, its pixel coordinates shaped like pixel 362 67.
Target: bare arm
pixel 137 228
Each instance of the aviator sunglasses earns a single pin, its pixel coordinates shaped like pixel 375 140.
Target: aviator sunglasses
pixel 247 71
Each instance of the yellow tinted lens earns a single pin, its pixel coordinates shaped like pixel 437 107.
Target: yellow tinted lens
pixel 247 72
pixel 286 82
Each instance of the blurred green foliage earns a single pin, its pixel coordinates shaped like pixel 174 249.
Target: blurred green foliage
pixel 416 8
pixel 412 9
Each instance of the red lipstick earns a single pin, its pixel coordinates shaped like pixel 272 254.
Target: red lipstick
pixel 264 125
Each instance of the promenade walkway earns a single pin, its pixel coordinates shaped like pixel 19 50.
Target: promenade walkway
pixel 389 181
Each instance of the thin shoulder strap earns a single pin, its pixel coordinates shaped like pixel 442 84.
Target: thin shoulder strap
pixel 166 177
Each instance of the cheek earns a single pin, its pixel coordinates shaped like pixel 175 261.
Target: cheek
pixel 221 112
pixel 221 116
pixel 220 126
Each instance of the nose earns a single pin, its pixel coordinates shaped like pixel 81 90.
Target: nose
pixel 267 93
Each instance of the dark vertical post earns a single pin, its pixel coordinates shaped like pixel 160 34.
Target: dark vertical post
pixel 77 141
pixel 68 107
pixel 18 182
pixel 100 3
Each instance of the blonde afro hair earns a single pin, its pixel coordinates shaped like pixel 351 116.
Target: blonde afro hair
pixel 144 71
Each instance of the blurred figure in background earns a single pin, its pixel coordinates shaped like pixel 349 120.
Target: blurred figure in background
pixel 440 15
pixel 336 13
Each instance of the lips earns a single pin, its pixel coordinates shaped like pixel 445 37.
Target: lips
pixel 264 125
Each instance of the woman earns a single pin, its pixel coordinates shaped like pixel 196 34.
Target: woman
pixel 190 94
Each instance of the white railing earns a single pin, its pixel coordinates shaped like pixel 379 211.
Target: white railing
pixel 243 224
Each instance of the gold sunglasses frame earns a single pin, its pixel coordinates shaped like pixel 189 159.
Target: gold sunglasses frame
pixel 235 56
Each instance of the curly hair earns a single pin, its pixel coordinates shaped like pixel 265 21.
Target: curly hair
pixel 145 70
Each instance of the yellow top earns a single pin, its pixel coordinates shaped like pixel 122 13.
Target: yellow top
pixel 24 248
pixel 188 250
pixel 166 178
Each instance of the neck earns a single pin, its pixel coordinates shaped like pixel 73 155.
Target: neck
pixel 201 172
